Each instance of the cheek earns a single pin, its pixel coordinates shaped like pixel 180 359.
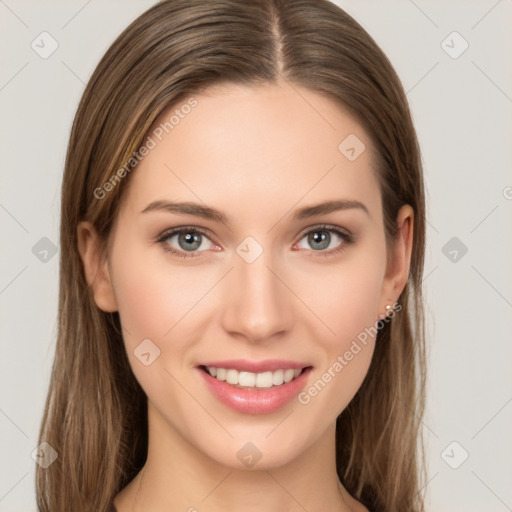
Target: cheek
pixel 350 311
pixel 344 296
pixel 162 302
pixel 156 302
pixel 153 295
pixel 361 294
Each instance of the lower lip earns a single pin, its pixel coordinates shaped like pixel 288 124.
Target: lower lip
pixel 255 401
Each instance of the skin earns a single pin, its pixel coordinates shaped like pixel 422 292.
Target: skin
pixel 257 154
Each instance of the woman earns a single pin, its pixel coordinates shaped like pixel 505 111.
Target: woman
pixel 242 243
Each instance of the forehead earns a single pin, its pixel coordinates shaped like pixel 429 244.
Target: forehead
pixel 271 145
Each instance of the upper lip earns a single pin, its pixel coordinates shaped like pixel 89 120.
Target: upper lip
pixel 244 365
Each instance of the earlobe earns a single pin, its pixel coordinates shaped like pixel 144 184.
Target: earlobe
pixel 397 271
pixel 96 270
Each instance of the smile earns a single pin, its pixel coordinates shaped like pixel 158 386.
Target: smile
pixel 254 392
pixel 253 380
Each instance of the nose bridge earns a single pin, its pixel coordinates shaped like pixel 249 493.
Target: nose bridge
pixel 258 304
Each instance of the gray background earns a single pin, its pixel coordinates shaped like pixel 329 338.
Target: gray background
pixel 462 110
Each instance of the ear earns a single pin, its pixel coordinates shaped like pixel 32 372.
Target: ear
pixel 399 260
pixel 96 269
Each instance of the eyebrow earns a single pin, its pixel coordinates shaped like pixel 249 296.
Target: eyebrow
pixel 207 212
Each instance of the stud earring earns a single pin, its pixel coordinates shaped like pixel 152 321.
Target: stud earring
pixel 389 308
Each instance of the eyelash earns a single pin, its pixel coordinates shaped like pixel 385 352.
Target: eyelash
pixel 346 237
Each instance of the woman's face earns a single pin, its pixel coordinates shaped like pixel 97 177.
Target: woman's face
pixel 262 278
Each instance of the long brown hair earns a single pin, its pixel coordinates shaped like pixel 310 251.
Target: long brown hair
pixel 96 412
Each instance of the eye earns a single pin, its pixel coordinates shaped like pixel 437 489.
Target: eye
pixel 185 242
pixel 325 237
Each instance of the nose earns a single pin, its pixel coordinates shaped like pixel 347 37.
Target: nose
pixel 258 306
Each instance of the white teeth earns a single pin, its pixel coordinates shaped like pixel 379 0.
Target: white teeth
pixel 247 379
pixel 254 380
pixel 264 380
pixel 288 375
pixel 278 377
pixel 232 377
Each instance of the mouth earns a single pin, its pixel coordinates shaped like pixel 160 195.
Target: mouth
pixel 252 380
pixel 255 392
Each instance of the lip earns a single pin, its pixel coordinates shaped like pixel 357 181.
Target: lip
pixel 255 401
pixel 244 365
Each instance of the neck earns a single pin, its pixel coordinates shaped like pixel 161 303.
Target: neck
pixel 179 477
